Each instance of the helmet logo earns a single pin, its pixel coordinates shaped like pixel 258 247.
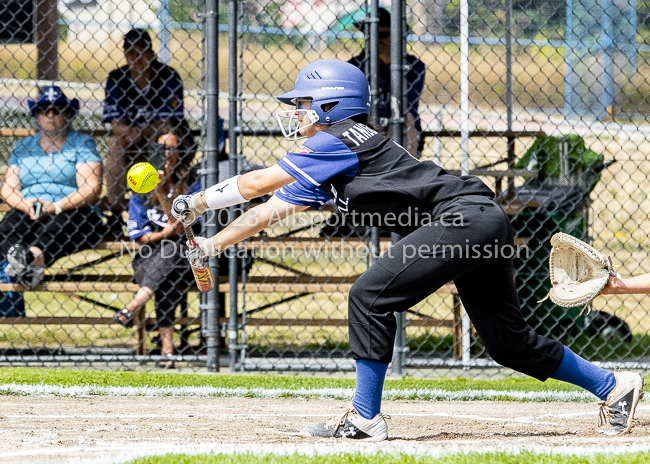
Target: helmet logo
pixel 332 88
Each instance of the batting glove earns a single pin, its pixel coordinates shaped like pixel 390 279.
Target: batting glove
pixel 203 250
pixel 188 208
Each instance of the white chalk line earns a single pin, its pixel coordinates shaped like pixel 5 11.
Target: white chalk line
pixel 424 394
pixel 129 452
pixel 83 416
pixel 526 419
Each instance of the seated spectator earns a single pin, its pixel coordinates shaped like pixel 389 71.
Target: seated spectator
pixel 52 182
pixel 141 97
pixel 163 270
pixel 414 84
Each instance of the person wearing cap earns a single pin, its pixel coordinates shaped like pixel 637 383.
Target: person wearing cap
pixel 52 183
pixel 414 83
pixel 142 97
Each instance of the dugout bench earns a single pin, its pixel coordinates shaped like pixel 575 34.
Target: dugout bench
pixel 73 284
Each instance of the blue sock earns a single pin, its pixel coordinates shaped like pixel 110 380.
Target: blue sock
pixel 370 385
pixel 580 372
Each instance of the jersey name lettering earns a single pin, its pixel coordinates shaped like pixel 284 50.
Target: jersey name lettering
pixel 359 133
pixel 339 202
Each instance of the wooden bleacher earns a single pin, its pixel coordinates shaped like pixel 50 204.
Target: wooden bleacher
pixel 73 284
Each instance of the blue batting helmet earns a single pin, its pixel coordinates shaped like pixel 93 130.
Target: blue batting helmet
pixel 333 82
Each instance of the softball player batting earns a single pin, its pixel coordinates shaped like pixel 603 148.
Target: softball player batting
pixel 453 230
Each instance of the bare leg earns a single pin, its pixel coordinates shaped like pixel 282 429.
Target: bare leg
pixel 167 346
pixel 143 295
pixel 167 340
pixel 39 258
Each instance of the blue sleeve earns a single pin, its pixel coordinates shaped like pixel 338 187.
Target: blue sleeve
pixel 138 221
pixel 112 109
pixel 296 194
pixel 320 158
pixel 172 98
pixel 87 150
pixel 415 82
pixel 194 188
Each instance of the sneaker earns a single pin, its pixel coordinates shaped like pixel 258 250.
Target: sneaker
pixel 31 277
pixel 621 403
pixel 350 425
pixel 20 269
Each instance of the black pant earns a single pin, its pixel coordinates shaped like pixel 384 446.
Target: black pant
pixel 60 235
pixel 435 254
pixel 163 267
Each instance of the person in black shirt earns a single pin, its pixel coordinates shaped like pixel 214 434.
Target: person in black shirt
pixel 414 84
pixel 453 230
pixel 141 99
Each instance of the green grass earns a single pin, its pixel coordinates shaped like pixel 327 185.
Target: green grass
pixel 356 458
pixel 70 377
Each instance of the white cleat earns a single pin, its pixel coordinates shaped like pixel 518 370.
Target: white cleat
pixel 350 425
pixel 618 409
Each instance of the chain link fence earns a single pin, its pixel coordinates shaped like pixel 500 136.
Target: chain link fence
pixel 546 101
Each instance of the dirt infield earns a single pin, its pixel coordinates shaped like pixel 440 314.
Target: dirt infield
pixel 108 429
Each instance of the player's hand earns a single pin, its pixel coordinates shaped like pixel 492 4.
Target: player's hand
pixel 203 250
pixel 614 285
pixel 188 208
pixel 195 257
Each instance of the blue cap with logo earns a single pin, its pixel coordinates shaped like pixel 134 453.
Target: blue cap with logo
pixel 52 95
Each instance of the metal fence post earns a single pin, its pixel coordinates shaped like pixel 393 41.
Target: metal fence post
pixel 372 52
pixel 163 34
pixel 210 173
pixel 47 27
pixel 397 56
pixel 372 46
pixel 233 347
pixel 568 59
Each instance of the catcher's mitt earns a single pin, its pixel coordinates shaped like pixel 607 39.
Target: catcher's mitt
pixel 578 271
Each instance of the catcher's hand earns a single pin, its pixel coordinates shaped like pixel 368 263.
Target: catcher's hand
pixel 578 271
pixel 614 286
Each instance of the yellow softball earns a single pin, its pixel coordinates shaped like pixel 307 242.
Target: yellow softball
pixel 142 177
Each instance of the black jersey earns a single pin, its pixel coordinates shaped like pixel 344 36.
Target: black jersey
pixel 161 99
pixel 371 178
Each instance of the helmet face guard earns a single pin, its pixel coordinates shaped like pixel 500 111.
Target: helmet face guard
pixel 290 124
pixel 333 84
